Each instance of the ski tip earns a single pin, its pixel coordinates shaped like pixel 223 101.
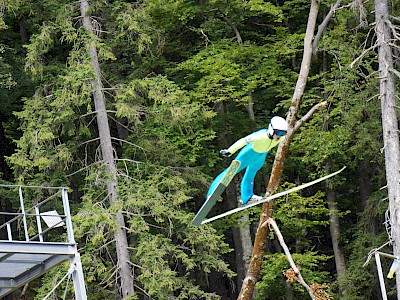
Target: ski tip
pixel 339 171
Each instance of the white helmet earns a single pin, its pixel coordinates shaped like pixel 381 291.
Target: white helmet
pixel 278 126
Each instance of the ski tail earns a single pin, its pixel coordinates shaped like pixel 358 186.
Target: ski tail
pixel 219 189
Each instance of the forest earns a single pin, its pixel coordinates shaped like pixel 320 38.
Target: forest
pixel 128 104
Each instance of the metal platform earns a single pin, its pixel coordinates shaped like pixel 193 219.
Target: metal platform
pixel 35 240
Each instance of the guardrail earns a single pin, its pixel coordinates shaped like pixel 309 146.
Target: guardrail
pixel 36 238
pixel 37 215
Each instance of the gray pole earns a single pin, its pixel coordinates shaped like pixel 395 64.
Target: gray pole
pixel 380 275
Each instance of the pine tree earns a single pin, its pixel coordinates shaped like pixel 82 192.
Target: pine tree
pixel 60 145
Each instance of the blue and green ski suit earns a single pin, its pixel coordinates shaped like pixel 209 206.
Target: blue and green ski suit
pixel 252 157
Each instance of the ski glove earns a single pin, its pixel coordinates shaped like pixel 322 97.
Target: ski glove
pixel 225 153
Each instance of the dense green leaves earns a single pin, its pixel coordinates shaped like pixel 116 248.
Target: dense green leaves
pixel 179 78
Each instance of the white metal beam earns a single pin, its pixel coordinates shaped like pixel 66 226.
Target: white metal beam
pixel 37 248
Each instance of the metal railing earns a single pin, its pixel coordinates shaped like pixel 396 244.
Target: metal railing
pixel 36 214
pixel 26 237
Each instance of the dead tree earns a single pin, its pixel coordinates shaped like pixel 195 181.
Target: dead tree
pixel 253 273
pixel 387 34
pixel 107 152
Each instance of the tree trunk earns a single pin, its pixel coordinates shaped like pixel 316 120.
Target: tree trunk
pixel 334 226
pixel 365 186
pixel 334 223
pixel 6 149
pixel 250 110
pixel 108 160
pixel 253 273
pixel 389 121
pixel 243 233
pixel 23 31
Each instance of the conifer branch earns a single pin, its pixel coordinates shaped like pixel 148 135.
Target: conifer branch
pixel 108 281
pixel 129 143
pixel 135 265
pixel 127 176
pixel 129 160
pixel 122 125
pixel 128 213
pixel 95 112
pixel 82 169
pixel 106 244
pixel 89 141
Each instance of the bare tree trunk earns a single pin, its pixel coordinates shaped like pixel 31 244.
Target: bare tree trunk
pixel 241 234
pixel 23 292
pixel 260 242
pixel 334 226
pixel 244 232
pixel 23 31
pixel 250 110
pixel 365 186
pixel 389 121
pixel 334 223
pixel 108 160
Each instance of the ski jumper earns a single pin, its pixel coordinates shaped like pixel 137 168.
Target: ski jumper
pixel 252 157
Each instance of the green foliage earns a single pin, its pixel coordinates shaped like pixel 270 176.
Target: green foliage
pixel 55 276
pixel 171 132
pixel 225 71
pixel 275 266
pixel 6 80
pixel 165 150
pixel 174 78
pixel 301 215
pixel 174 124
pixel 265 7
pixel 299 219
pixel 362 281
pixel 170 143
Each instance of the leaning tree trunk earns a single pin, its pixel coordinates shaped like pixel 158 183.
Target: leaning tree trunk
pixel 107 151
pixel 383 30
pixel 253 273
pixel 310 48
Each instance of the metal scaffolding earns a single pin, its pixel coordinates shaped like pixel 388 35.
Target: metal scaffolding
pixel 36 239
pixel 377 253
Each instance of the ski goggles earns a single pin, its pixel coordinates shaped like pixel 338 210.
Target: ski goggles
pixel 280 132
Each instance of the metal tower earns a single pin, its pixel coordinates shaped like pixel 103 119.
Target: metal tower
pixel 37 238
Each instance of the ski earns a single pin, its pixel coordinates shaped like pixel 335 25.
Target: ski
pixel 297 188
pixel 219 189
